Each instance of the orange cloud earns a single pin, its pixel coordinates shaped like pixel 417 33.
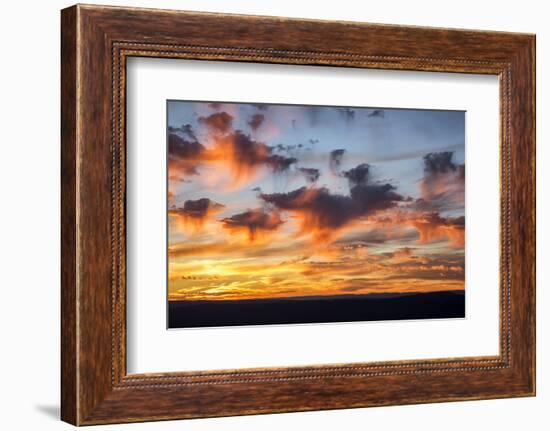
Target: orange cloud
pixel 432 227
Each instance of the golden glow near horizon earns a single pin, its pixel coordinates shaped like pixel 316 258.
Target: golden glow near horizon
pixel 269 201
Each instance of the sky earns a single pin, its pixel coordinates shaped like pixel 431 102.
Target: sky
pixel 271 201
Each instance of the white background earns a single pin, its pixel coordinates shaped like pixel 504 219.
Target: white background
pixel 29 227
pixel 151 348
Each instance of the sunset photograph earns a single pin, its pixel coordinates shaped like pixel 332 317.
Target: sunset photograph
pixel 300 214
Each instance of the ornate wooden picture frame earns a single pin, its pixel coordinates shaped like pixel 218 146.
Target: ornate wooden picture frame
pixel 96 41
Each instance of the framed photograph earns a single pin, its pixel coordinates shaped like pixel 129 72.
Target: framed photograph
pixel 264 215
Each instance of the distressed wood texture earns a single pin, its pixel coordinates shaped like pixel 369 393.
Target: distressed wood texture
pixel 96 41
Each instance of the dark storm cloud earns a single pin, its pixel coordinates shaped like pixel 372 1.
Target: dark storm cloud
pixel 437 219
pixel 185 129
pixel 358 175
pixel 253 221
pixel 328 210
pixel 280 163
pixel 335 160
pixel 184 154
pixel 198 208
pixel 374 197
pixel 194 213
pixel 439 163
pixel 323 210
pixel 311 174
pixel 218 122
pixel 380 113
pixel 247 151
pixel 184 149
pixel 256 121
